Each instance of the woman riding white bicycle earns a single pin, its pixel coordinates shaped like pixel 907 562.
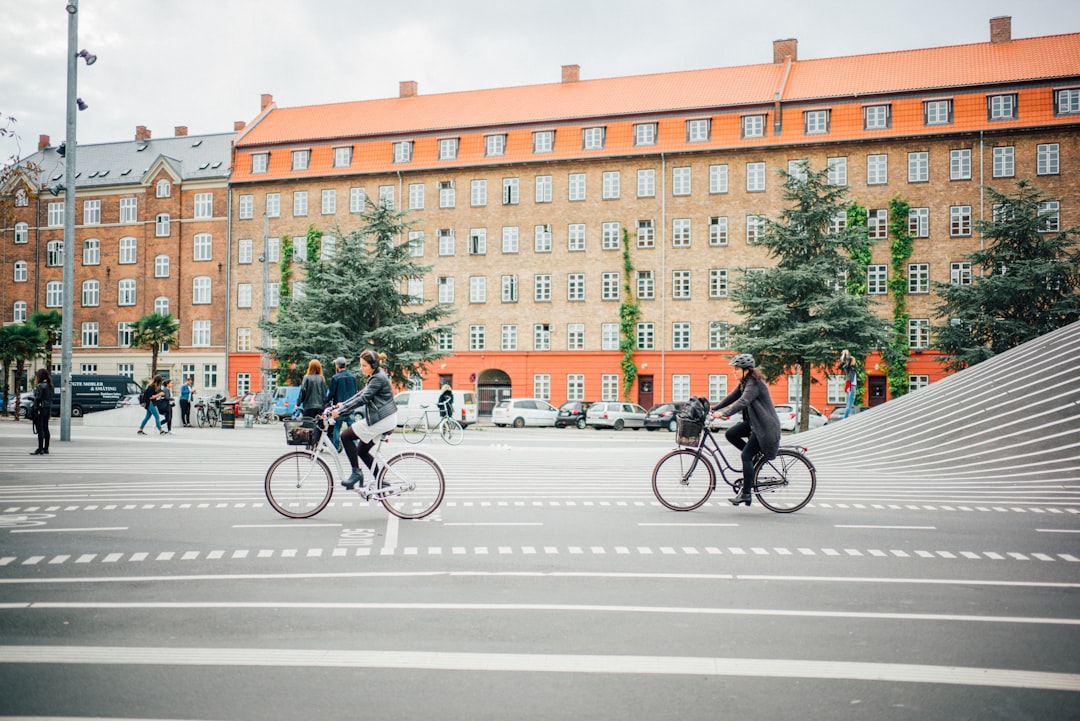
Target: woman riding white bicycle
pixel 376 414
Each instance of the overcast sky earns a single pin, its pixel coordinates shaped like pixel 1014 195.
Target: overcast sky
pixel 204 63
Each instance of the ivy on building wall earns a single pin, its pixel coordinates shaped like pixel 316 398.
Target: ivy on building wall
pixel 629 313
pixel 314 244
pixel 857 281
pixel 896 353
pixel 285 263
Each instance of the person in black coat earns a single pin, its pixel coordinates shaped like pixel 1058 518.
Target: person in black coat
pixel 41 410
pixel 376 414
pixel 446 402
pixel 342 388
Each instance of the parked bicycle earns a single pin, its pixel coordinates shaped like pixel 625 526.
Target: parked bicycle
pixel 208 412
pixel 685 478
pixel 300 483
pixel 417 429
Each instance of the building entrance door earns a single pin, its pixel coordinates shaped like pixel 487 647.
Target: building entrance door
pixel 645 392
pixel 876 386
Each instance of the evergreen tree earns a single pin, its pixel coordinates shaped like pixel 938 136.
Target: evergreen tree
pixel 152 331
pixel 359 299
pixel 1024 281
pixel 798 311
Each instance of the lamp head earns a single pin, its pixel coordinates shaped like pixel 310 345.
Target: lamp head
pixel 88 56
pixel 55 189
pixel 81 104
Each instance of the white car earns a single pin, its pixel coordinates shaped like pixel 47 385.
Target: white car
pixel 788 413
pixel 521 412
pixel 617 415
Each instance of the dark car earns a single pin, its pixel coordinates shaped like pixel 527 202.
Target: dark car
pixel 572 413
pixel 662 415
pixel 838 413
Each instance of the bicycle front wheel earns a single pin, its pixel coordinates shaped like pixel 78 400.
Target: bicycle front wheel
pixel 414 430
pixel 786 483
pixel 299 485
pixel 452 432
pixel 215 417
pixel 682 480
pixel 420 473
pixel 200 418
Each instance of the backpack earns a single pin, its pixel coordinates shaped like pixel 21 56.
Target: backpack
pixel 696 409
pixel 144 399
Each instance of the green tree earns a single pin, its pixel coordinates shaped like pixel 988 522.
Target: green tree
pixel 152 331
pixel 1024 281
pixel 798 313
pixel 19 343
pixel 50 321
pixel 358 299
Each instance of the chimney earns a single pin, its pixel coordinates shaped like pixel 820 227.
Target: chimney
pixel 407 89
pixel 571 73
pixel 1001 29
pixel 142 132
pixel 267 101
pixel 43 142
pixel 181 131
pixel 782 49
pixel 238 125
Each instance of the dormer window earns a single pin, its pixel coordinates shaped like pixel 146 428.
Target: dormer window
pixel 816 122
pixel 1001 107
pixel 753 126
pixel 301 159
pixel 343 157
pixel 697 131
pixel 403 151
pixel 1067 101
pixel 644 134
pixel 592 138
pixel 494 145
pixel 448 149
pixel 877 117
pixel 937 112
pixel 259 162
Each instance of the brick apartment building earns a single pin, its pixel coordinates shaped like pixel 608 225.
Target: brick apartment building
pixel 151 228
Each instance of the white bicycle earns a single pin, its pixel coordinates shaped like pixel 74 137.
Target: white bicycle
pixel 417 429
pixel 300 483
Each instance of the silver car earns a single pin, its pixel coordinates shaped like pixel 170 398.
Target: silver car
pixel 520 412
pixel 788 413
pixel 615 414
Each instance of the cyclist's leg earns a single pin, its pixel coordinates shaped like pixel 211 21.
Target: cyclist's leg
pixel 737 434
pixel 749 453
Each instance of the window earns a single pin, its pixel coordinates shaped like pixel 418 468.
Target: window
pixel 125 292
pixel 755 177
pixel 543 189
pixel 646 183
pixel 1048 159
pixel 718 336
pixel 477 289
pixel 328 205
pixel 646 234
pixel 445 340
pixel 200 290
pixel 209 369
pixel 200 333
pixel 510 239
pixel 718 283
pixel 698 130
pixel 161 225
pixel 301 159
pixel 680 233
pixel 18 312
pixel 478 241
pixel 91 212
pixel 960 221
pixel 753 126
pixel 609 236
pixel 609 286
pixel 960 164
pixel 161 305
pixel 129 210
pixel 416 196
pixel 542 288
pixel 161 266
pixel 576 190
pixel 508 337
pixel 416 244
pixel 918 167
pixel 718 230
pixel 204 246
pixel 445 288
pixel 592 138
pixel 610 187
pixel 542 386
pixel 646 336
pixel 575 336
pixel 680 336
pixel 204 205
pixel 937 112
pixel 163 188
pixel 609 336
pixel 542 238
pixel 273 250
pixel 510 191
pixel 91 254
pixel 299 203
pixel 272 295
pixel 877 279
pixel 89 335
pixel 244 253
pixel 446 241
pixel 919 222
pixel 960 273
pixel 575 387
pixel 357 200
pixel 54 291
pixel 243 341
pixel 543 141
pixel 877 117
pixel 575 237
pixel 918 333
pixel 495 145
pixel 447 194
pixel 877 169
pixel 91 293
pixel 680 181
pixel 680 285
pixel 259 163
pixel 541 336
pixel 448 149
pixel 22 233
pixel 415 291
pixel 343 156
pixel 877 224
pixel 477 337
pixel 386 196
pixel 755 226
pixel 1001 107
pixel 718 178
pixel 54 253
pixel 837 171
pixel 403 151
pixel 1004 162
pixel 575 286
pixel 246 207
pixel 273 205
pixel 55 216
pixel 646 285
pixel 1050 215
pixel 798 169
pixel 838 223
pixel 816 122
pixel 644 134
pixel 918 278
pixel 243 295
pixel 478 193
pixel 509 289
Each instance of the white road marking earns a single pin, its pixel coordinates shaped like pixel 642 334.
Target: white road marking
pixel 67 530
pixel 287 525
pixel 891 528
pixel 703 525
pixel 1058 530
pixel 463 523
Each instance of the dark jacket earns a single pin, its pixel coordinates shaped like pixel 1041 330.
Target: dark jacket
pixel 42 405
pixel 342 387
pixel 752 397
pixel 446 404
pixel 378 393
pixel 312 393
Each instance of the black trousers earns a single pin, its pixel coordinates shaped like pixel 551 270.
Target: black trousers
pixel 41 427
pixel 185 412
pixel 741 435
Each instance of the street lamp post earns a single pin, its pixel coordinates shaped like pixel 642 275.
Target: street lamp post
pixel 69 224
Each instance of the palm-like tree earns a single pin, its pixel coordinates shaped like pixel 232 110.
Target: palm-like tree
pixel 152 331
pixel 50 321
pixel 20 343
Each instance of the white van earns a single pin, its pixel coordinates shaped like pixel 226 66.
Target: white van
pixel 411 404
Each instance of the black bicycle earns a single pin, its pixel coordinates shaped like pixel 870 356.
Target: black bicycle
pixel 685 478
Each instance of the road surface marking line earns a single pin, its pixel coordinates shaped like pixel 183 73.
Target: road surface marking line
pixel 288 525
pixel 1058 530
pixel 891 528
pixel 67 530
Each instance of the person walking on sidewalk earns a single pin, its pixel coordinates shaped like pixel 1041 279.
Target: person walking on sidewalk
pixel 149 399
pixel 312 391
pixel 342 388
pixel 165 404
pixel 187 393
pixel 41 410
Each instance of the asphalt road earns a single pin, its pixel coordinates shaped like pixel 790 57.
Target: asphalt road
pixel 147 577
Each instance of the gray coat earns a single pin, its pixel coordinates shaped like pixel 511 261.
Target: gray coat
pixel 378 394
pixel 752 397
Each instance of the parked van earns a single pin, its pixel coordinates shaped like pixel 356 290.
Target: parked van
pixel 411 404
pixel 285 398
pixel 92 393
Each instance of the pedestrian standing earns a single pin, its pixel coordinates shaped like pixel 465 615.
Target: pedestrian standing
pixel 165 404
pixel 187 394
pixel 847 367
pixel 313 390
pixel 342 388
pixel 41 410
pixel 446 401
pixel 149 399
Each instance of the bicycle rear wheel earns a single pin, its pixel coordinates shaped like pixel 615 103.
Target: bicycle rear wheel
pixel 423 474
pixel 683 481
pixel 200 417
pixel 786 483
pixel 452 432
pixel 414 430
pixel 298 485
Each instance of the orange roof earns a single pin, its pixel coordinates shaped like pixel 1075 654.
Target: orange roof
pixel 949 67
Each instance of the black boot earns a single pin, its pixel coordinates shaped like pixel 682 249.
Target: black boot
pixel 743 495
pixel 356 477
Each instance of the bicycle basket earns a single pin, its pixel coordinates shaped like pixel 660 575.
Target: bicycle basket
pixel 301 432
pixel 688 432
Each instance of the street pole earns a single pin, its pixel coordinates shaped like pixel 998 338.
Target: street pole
pixel 264 359
pixel 67 311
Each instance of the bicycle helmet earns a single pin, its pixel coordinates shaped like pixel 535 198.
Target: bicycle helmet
pixel 743 360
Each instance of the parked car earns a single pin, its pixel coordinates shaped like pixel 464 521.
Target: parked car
pixel 131 399
pixel 91 393
pixel 285 398
pixel 253 403
pixel 789 416
pixel 520 412
pixel 572 413
pixel 662 415
pixel 615 414
pixel 838 412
